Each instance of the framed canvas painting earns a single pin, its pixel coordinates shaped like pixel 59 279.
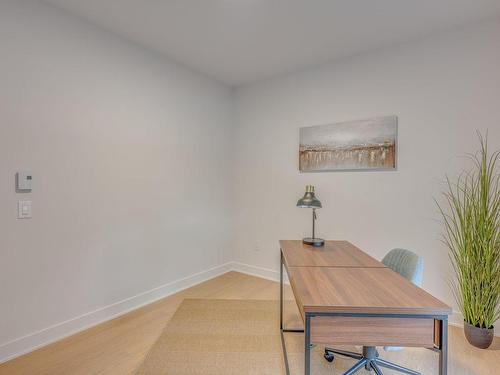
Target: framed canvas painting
pixel 369 144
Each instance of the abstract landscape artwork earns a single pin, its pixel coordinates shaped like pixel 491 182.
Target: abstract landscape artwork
pixel 353 145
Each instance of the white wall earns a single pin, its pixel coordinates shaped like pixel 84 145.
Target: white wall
pixel 442 89
pixel 131 174
pixel 133 185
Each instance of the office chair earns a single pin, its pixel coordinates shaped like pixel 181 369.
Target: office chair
pixel 410 266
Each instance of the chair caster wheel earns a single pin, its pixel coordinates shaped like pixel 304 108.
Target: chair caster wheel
pixel 329 357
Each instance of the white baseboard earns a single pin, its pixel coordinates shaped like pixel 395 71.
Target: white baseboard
pixel 457 320
pixel 264 273
pixel 48 335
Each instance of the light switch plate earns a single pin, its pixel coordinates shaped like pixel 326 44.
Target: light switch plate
pixel 24 209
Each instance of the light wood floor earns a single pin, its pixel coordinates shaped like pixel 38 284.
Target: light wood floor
pixel 119 346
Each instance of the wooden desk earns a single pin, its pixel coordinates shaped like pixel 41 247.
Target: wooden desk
pixel 347 297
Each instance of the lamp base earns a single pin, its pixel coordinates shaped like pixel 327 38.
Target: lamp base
pixel 316 242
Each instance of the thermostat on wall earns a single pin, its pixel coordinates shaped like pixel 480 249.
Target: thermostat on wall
pixel 23 181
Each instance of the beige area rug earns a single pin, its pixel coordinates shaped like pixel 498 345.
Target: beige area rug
pixel 241 337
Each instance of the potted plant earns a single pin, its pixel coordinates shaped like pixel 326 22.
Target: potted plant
pixel 472 234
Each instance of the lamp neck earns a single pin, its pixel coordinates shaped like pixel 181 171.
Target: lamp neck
pixel 314 220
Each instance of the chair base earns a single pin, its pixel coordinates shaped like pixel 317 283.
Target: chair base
pixel 369 360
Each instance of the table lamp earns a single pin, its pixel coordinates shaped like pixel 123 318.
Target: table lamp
pixel 309 200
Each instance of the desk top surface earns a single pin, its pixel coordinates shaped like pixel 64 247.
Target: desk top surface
pixel 361 290
pixel 341 278
pixel 332 254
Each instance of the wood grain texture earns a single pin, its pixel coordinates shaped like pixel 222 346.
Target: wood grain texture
pixel 360 290
pixel 341 330
pixel 332 254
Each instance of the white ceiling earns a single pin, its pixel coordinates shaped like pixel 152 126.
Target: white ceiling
pixel 241 41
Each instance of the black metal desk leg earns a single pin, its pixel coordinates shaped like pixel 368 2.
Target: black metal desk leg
pixel 281 291
pixel 443 354
pixel 282 328
pixel 307 348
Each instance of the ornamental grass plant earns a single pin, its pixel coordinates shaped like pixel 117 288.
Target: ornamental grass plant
pixel 471 214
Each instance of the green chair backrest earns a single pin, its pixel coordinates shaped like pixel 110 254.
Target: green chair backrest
pixel 407 264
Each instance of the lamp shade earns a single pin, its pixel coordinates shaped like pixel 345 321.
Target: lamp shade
pixel 309 200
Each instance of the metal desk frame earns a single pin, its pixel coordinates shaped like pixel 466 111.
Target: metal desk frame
pixel 443 342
